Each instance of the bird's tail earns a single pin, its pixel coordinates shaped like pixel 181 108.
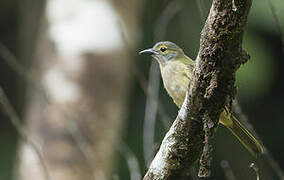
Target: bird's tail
pixel 241 133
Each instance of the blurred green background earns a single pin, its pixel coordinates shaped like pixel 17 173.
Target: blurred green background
pixel 260 84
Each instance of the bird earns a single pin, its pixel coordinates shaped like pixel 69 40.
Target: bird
pixel 177 71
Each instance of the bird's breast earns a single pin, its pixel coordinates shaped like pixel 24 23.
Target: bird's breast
pixel 175 82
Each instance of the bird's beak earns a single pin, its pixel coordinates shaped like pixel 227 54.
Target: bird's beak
pixel 148 52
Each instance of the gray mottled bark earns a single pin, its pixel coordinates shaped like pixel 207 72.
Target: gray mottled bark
pixel 219 57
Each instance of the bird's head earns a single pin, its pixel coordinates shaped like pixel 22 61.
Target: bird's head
pixel 164 52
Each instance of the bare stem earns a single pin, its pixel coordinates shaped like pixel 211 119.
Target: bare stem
pixel 23 132
pixel 267 155
pixel 229 174
pixel 152 100
pixel 256 170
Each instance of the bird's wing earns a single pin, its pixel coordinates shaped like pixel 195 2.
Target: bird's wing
pixel 190 66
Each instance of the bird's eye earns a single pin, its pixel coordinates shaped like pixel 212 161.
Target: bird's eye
pixel 163 49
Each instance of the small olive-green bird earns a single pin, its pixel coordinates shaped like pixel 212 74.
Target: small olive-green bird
pixel 176 70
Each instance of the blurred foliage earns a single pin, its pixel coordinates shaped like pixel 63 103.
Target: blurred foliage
pixel 257 73
pixel 261 16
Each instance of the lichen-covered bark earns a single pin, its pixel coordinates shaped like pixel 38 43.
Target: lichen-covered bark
pixel 219 57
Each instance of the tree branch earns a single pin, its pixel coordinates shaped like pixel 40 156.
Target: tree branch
pixel 220 55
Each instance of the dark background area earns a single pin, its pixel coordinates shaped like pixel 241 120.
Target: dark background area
pixel 260 85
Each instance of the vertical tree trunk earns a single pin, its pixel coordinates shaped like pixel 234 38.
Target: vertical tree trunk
pixel 83 65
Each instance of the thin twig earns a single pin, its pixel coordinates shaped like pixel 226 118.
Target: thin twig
pixel 23 132
pixel 83 145
pixel 229 174
pixel 243 118
pixel 193 175
pixel 166 120
pixel 200 7
pixel 151 108
pixel 28 75
pixel 274 165
pixel 166 16
pixel 151 113
pixel 277 21
pixel 131 160
pixel 12 61
pixel 267 155
pixel 80 140
pixel 256 170
pixel 144 83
